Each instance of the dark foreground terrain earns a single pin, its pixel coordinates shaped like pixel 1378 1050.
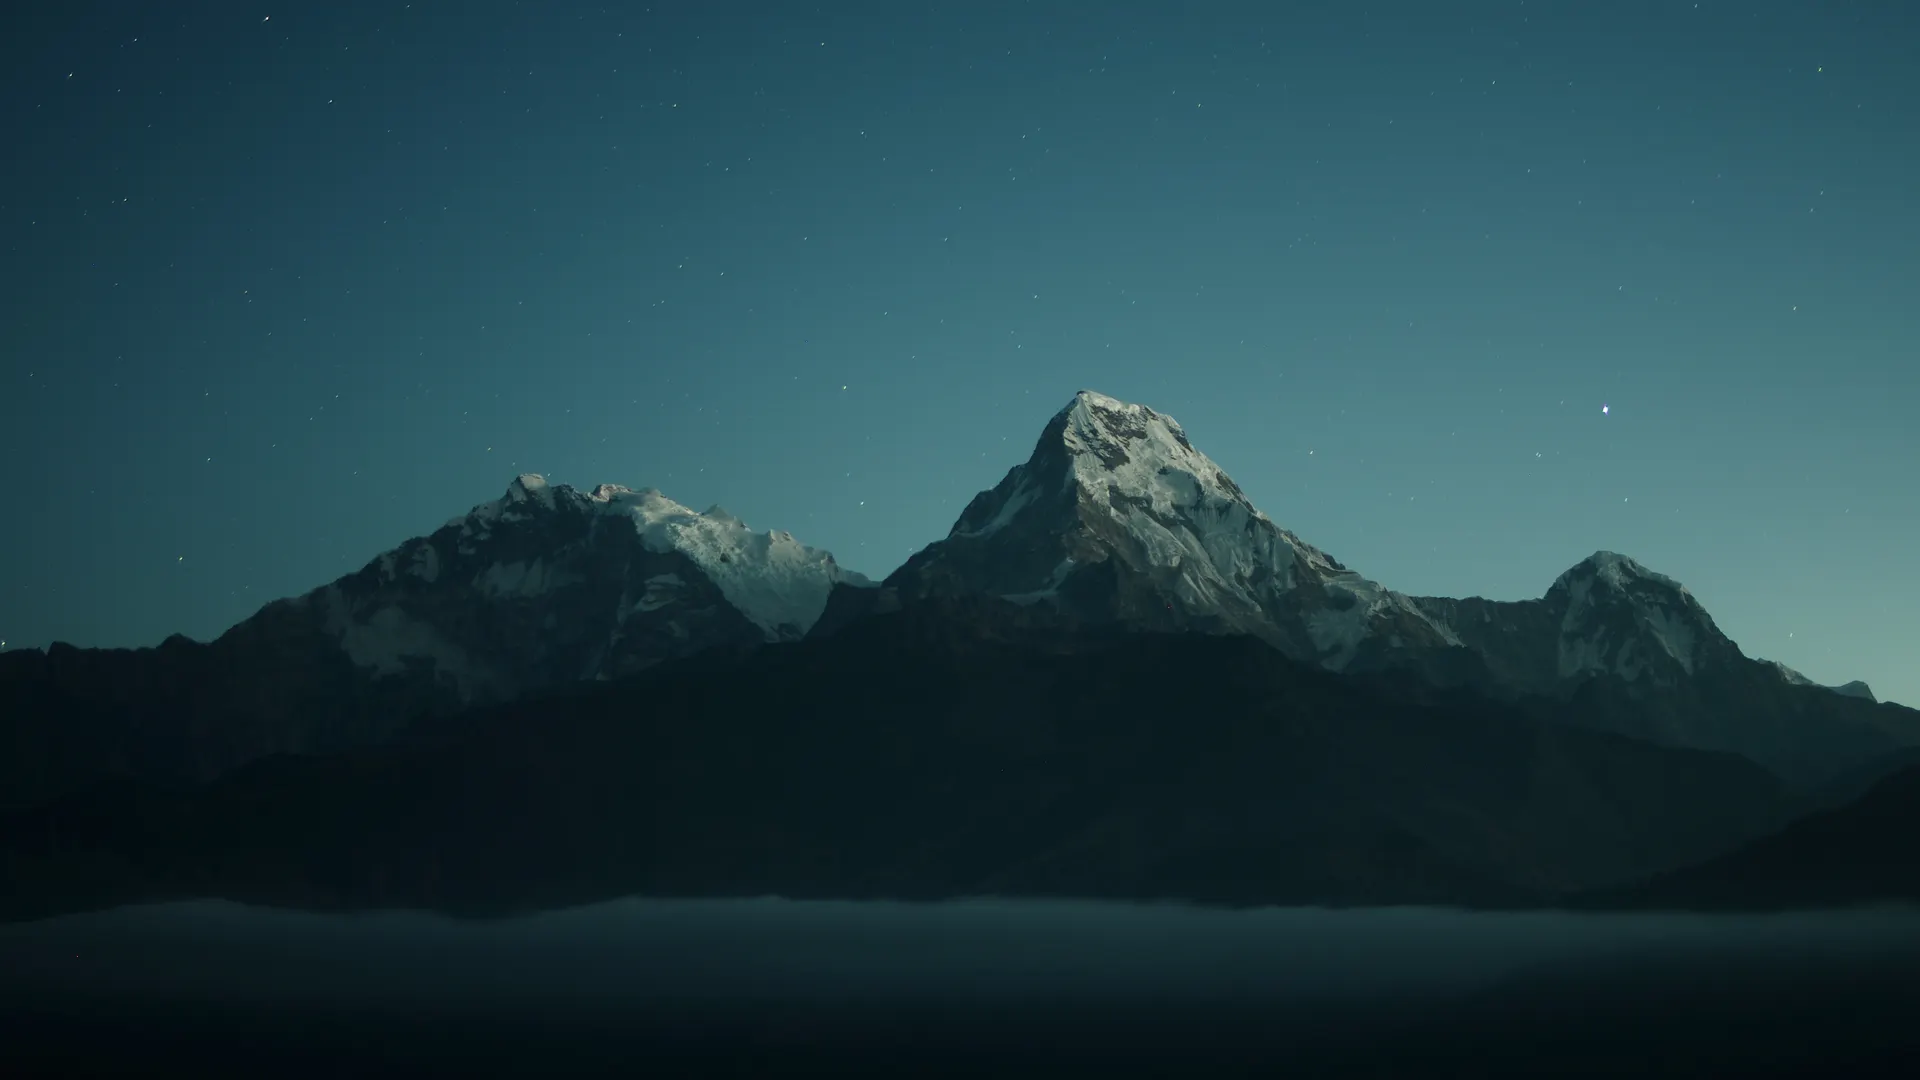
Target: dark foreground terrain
pixel 1859 853
pixel 920 755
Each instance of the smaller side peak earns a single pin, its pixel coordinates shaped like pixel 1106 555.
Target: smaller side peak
pixel 608 492
pixel 1856 689
pixel 530 487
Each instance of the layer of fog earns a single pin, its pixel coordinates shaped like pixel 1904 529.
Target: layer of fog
pixel 772 950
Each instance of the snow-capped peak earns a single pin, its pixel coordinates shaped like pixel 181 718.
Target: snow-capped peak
pixel 1126 455
pixel 1117 507
pixel 1615 570
pixel 1623 618
pixel 530 487
pixel 528 494
pixel 1135 452
pixel 774 580
pixel 778 583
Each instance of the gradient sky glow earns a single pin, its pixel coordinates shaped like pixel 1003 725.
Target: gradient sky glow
pixel 288 283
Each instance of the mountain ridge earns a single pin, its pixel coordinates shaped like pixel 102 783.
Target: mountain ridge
pixel 1843 856
pixel 1115 520
pixel 1066 763
pixel 1115 676
pixel 1117 517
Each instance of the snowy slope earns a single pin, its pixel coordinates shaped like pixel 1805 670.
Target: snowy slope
pixel 1856 688
pixel 1623 619
pixel 1117 517
pixel 547 585
pixel 1607 615
pixel 773 579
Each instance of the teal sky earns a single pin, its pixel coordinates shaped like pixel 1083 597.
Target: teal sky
pixel 286 284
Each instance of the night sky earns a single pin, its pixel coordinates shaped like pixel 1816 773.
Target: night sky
pixel 1460 292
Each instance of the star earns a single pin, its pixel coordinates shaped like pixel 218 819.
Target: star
pixel 1604 410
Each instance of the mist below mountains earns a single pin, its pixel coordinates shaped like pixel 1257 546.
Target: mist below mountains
pixel 772 986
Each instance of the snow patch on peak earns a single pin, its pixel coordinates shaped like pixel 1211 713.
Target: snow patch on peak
pixel 1615 570
pixel 1124 452
pixel 1355 604
pixel 1854 689
pixel 1789 674
pixel 778 583
pixel 1024 493
pixel 1092 410
pixel 1096 398
pixel 530 487
pixel 1135 485
pixel 527 492
pixel 1620 617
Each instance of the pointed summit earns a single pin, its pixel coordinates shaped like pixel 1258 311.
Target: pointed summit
pixel 1606 615
pixel 530 487
pixel 1136 453
pixel 1093 423
pixel 1613 570
pixel 1117 519
pixel 1856 689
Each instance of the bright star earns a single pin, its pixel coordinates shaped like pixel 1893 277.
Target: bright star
pixel 1603 409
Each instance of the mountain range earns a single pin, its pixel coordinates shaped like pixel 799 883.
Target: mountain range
pixel 1114 676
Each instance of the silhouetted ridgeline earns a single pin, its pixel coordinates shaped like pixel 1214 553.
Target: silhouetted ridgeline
pixel 919 755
